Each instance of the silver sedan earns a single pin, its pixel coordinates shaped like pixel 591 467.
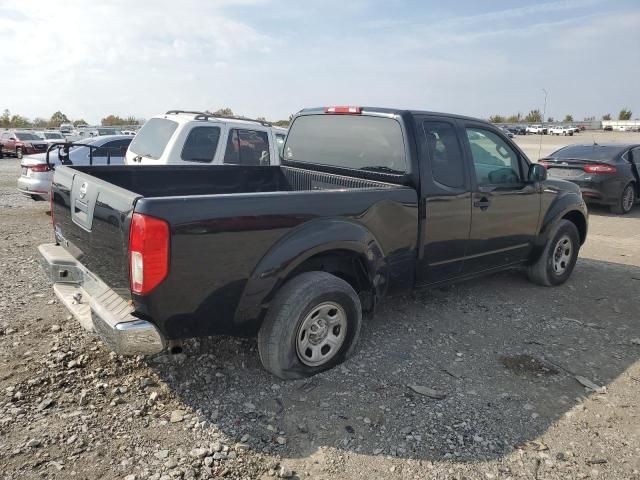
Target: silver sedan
pixel 35 177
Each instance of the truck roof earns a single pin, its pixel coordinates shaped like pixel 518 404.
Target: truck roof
pixel 389 112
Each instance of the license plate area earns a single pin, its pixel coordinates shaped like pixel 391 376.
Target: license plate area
pixel 564 172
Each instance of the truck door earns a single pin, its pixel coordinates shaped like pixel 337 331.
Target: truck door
pixel 506 208
pixel 445 209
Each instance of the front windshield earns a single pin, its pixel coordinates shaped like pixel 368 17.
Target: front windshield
pixel 107 131
pixel 27 136
pixel 53 136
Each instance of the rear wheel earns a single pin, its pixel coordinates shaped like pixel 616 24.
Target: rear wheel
pixel 313 324
pixel 558 258
pixel 626 200
pixel 19 153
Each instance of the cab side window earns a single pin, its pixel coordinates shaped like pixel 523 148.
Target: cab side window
pixel 445 154
pixel 494 161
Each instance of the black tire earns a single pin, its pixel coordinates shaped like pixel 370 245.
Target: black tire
pixel 19 153
pixel 623 206
pixel 296 300
pixel 543 271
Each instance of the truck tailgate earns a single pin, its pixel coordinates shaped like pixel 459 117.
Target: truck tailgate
pixel 91 221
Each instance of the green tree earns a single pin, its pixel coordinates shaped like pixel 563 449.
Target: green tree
pixel 79 123
pixel 5 119
pixel 534 116
pixel 625 114
pixel 550 120
pixel 568 118
pixel 514 118
pixel 606 116
pixel 497 119
pixel 111 120
pixel 222 112
pixel 18 121
pixel 282 123
pixel 57 119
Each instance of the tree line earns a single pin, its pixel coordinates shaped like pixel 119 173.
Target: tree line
pixel 227 112
pixel 535 116
pixel 7 120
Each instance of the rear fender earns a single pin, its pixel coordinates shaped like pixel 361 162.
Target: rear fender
pixel 306 241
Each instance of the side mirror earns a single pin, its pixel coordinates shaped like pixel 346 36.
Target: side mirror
pixel 537 173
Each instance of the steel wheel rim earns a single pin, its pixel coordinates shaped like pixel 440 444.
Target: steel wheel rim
pixel 627 199
pixel 562 255
pixel 321 334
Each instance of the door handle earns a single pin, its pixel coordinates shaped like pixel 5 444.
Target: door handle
pixel 482 204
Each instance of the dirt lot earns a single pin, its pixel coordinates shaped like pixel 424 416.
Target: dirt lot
pixel 502 352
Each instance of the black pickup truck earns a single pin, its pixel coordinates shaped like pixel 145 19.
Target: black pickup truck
pixel 368 202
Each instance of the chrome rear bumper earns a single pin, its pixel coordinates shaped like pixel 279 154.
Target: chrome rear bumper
pixel 97 307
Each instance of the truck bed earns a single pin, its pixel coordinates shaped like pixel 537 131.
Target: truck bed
pixel 152 182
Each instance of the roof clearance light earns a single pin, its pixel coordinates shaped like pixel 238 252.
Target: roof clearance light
pixel 343 110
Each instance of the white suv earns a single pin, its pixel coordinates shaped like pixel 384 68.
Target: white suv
pixel 196 138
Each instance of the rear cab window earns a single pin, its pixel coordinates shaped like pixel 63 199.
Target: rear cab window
pixel 359 142
pixel 153 138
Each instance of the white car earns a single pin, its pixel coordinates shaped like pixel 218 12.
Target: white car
pixel 51 136
pixel 537 129
pixel 194 138
pixel 35 176
pixel 561 130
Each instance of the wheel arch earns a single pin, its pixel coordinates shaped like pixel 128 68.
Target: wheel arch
pixel 338 246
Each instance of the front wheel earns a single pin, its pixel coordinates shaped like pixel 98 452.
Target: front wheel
pixel 312 325
pixel 626 200
pixel 558 258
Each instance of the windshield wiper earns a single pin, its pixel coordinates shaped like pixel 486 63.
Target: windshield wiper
pixel 382 168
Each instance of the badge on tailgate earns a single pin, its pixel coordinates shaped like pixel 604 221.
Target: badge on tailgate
pixel 83 202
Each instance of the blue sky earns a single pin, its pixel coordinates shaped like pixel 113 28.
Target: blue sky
pixel 271 58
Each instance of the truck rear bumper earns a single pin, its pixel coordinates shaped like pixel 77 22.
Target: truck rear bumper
pixel 97 307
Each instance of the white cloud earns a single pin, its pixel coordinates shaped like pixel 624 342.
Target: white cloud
pixel 265 58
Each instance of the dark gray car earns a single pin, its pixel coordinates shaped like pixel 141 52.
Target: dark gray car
pixel 608 174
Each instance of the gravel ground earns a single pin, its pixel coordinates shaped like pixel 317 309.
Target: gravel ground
pixel 492 378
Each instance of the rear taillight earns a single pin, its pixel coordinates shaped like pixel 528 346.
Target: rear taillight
pixel 599 168
pixel 39 168
pixel 544 164
pixel 148 253
pixel 352 110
